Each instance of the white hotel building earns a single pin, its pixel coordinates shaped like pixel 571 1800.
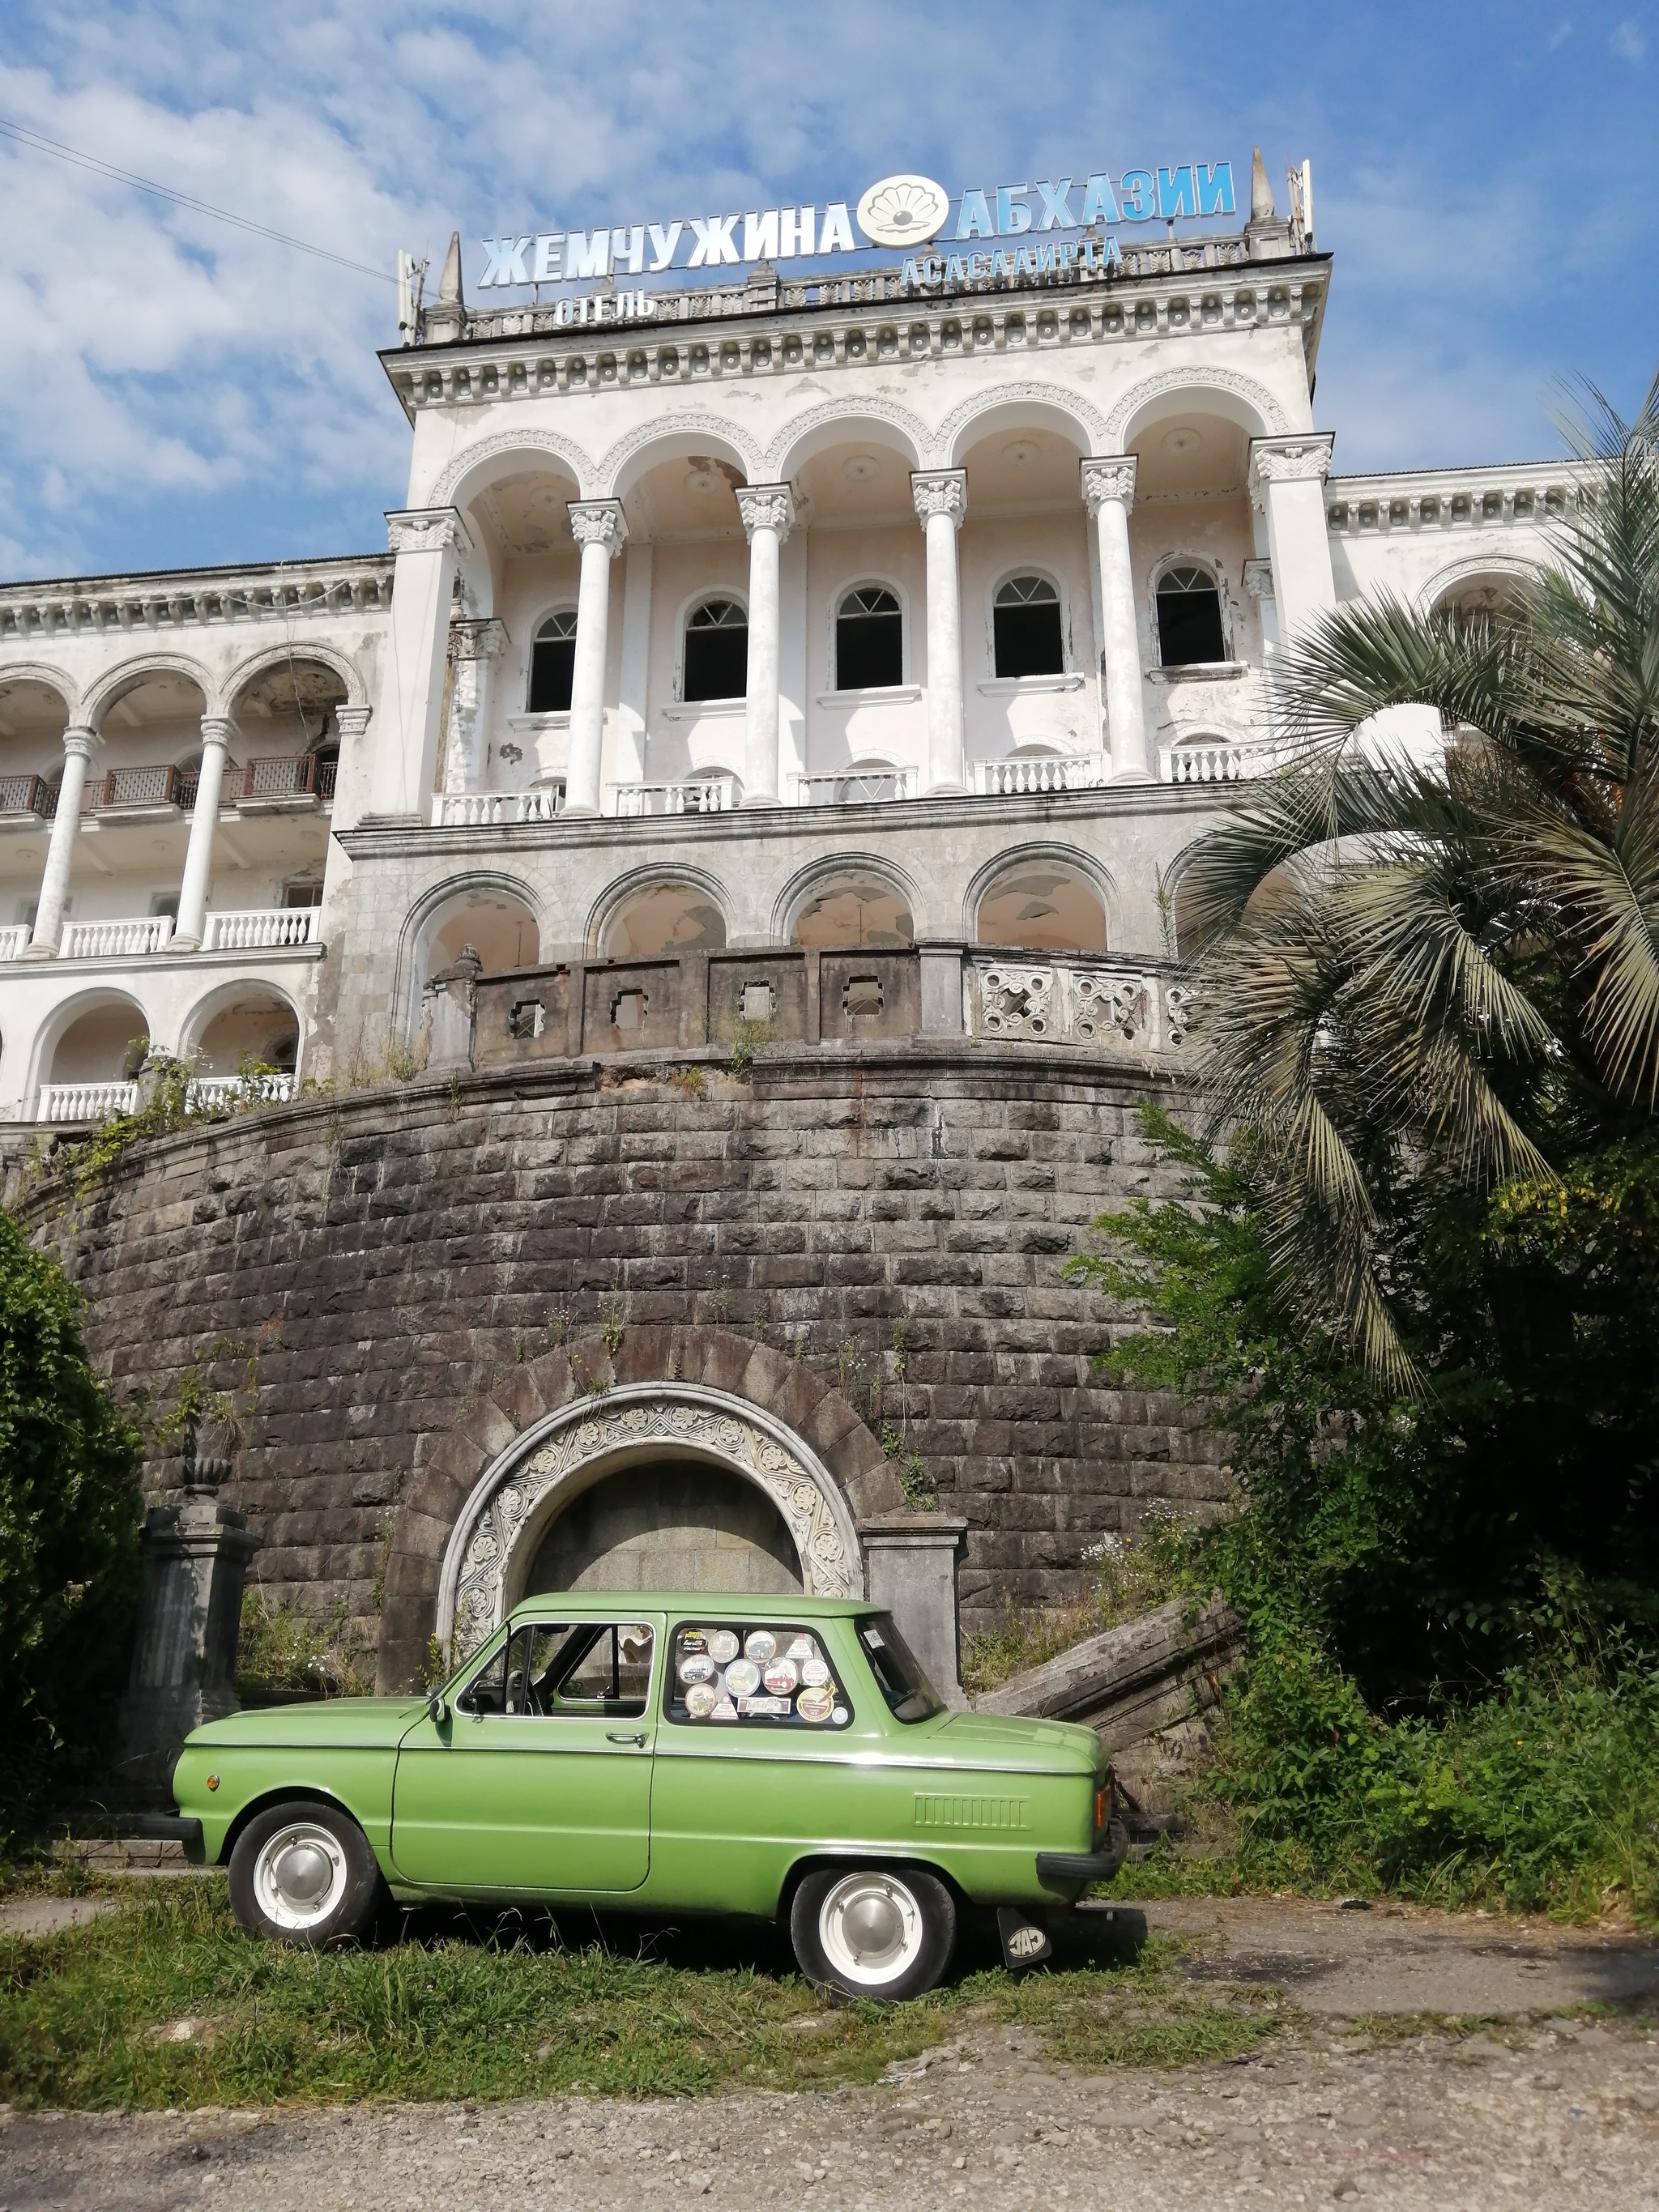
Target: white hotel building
pixel 825 610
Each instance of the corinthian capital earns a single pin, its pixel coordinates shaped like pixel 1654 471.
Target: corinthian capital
pixel 1302 459
pixel 940 491
pixel 427 530
pixel 766 507
pixel 474 638
pixel 1109 478
pixel 80 737
pixel 598 522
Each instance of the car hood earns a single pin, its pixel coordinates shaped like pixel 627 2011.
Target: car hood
pixel 1013 1742
pixel 367 1721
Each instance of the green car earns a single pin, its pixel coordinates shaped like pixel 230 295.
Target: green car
pixel 784 1758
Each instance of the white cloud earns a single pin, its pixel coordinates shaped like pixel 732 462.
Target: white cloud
pixel 1627 41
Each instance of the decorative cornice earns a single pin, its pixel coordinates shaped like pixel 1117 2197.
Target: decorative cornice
pixel 1302 459
pixel 96 605
pixel 473 639
pixel 1109 478
pixel 427 530
pixel 940 491
pixel 766 507
pixel 598 522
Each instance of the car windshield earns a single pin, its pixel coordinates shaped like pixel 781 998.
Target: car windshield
pixel 910 1696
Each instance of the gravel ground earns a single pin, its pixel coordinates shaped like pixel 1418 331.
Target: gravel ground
pixel 1407 2113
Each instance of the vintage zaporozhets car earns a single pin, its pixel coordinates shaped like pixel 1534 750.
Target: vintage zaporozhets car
pixel 784 1758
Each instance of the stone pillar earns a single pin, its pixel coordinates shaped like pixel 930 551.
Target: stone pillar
pixel 351 777
pixel 940 962
pixel 768 512
pixel 78 742
pixel 600 527
pixel 910 1570
pixel 184 1654
pixel 1108 493
pixel 1259 583
pixel 472 646
pixel 428 542
pixel 1287 482
pixel 941 501
pixel 448 1004
pixel 191 925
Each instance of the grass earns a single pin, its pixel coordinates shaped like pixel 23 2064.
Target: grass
pixel 168 2004
pixel 1130 1574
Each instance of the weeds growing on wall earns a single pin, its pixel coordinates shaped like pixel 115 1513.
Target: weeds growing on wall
pixel 280 1648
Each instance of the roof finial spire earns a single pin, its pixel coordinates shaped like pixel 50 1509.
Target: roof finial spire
pixel 1261 193
pixel 449 284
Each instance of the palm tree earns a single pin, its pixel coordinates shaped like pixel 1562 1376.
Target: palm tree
pixel 1423 980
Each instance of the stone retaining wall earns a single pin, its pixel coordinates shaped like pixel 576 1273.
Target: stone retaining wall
pixel 896 1222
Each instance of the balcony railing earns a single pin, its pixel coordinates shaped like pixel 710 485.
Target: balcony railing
pixel 864 787
pixel 218 1094
pixel 289 775
pixel 204 1094
pixel 1078 1002
pixel 114 940
pixel 28 794
pixel 998 779
pixel 259 928
pixel 86 1102
pixel 486 809
pixel 13 941
pixel 711 795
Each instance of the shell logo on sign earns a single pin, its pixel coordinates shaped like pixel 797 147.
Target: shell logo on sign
pixel 903 210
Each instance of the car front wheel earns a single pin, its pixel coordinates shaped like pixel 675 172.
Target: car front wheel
pixel 304 1875
pixel 877 1932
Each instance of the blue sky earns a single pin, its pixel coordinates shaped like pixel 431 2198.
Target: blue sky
pixel 179 393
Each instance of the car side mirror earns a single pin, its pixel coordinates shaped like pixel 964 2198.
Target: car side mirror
pixel 437 1709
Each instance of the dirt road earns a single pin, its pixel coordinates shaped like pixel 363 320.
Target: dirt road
pixel 1541 2103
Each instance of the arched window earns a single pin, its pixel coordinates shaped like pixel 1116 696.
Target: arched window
pixel 717 651
pixel 553 664
pixel 1189 617
pixel 1025 623
pixel 869 641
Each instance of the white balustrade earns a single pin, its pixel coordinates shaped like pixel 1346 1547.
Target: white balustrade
pixel 220 1094
pixel 261 928
pixel 1221 760
pixel 857 787
pixel 1078 1002
pixel 710 795
pixel 86 1102
pixel 1040 772
pixel 115 940
pixel 490 809
pixel 13 939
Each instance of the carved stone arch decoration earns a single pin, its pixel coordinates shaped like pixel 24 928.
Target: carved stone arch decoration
pixel 673 425
pixel 850 413
pixel 482 1495
pixel 1244 389
pixel 1476 568
pixel 126 675
pixel 53 679
pixel 997 398
pixel 527 442
pixel 279 656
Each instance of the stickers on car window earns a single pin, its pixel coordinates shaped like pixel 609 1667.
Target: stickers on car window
pixel 755 1671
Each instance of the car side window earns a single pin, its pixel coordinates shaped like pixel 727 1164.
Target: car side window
pixel 765 1674
pixel 547 1668
pixel 487 1691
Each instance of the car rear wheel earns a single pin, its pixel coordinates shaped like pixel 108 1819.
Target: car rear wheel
pixel 873 1932
pixel 304 1874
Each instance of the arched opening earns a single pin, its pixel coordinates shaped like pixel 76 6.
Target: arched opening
pixel 1499 597
pixel 717 651
pixel 853 907
pixel 869 639
pixel 1042 905
pixel 1026 628
pixel 663 917
pixel 553 663
pixel 255 1030
pixel 106 1043
pixel 288 724
pixel 1190 629
pixel 499 928
pixel 673 1524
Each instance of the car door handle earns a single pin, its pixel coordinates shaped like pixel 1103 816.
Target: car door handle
pixel 621 1736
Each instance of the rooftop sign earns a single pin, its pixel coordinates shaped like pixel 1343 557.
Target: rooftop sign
pixel 900 211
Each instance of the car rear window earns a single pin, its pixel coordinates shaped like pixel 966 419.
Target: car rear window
pixel 754 1674
pixel 899 1676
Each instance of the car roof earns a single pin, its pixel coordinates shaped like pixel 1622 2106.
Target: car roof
pixel 714 1605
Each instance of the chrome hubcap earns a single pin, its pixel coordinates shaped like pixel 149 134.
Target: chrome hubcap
pixel 871 1928
pixel 300 1875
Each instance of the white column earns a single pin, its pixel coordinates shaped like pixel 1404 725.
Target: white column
pixel 473 644
pixel 427 541
pixel 941 501
pixel 78 743
pixel 633 694
pixel 600 528
pixel 1108 493
pixel 793 690
pixel 351 777
pixel 191 925
pixel 1287 480
pixel 768 512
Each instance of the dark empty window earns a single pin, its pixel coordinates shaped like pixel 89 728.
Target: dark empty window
pixel 1188 618
pixel 717 651
pixel 869 641
pixel 553 665
pixel 1026 622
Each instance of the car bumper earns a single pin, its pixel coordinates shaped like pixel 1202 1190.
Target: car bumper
pixel 1069 1873
pixel 170 1828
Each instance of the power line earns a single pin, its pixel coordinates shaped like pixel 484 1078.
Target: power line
pixel 36 142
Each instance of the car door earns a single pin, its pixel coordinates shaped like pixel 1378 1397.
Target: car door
pixel 539 1776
